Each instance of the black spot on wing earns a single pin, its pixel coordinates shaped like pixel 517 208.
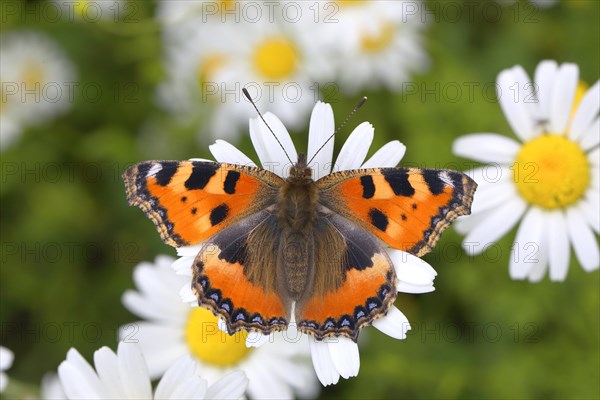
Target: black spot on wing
pixel 398 181
pixel 378 219
pixel 230 182
pixel 368 186
pixel 218 214
pixel 200 176
pixel 164 176
pixel 194 210
pixel 435 184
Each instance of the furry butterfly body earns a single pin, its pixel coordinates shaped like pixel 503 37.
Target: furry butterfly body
pixel 274 249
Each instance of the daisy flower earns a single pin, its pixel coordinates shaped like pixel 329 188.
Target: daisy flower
pixel 375 43
pixel 173 328
pixel 192 91
pixel 51 388
pixel 35 82
pixel 211 58
pixel 547 180
pixel 124 376
pixel 6 360
pixel 336 357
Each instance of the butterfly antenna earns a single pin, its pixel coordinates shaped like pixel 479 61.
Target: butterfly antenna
pixel 245 91
pixel 359 105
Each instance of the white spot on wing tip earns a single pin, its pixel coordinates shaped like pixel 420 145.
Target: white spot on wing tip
pixel 444 176
pixel 155 169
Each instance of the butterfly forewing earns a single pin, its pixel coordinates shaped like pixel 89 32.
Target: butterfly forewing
pixel 407 208
pixel 190 201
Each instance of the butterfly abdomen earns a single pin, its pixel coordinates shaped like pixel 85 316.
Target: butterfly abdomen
pixel 297 210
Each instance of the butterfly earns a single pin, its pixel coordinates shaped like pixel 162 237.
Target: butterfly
pixel 274 249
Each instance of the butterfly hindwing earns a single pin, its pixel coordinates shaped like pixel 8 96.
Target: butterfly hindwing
pixel 234 276
pixel 189 201
pixel 355 282
pixel 407 208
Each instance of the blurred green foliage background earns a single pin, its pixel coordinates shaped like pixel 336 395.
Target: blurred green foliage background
pixel 70 242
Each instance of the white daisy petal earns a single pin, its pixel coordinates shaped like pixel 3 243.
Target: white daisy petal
pixel 405 287
pixel 353 153
pixel 189 251
pixel 6 358
pixel 272 387
pixel 270 151
pixel 107 368
pixel 133 370
pixel 558 245
pixel 563 95
pixel 545 74
pixel 181 369
pixel 182 265
pixel 230 386
pixel 394 324
pixel 345 357
pixel 526 90
pixel 411 269
pixel 225 152
pixel 591 211
pixel 525 251
pixel 192 388
pixel 187 295
pixel 257 339
pixel 324 367
pixel 51 388
pixel 492 196
pixel 320 130
pixel 583 240
pixel 515 110
pixel 152 337
pixel 388 156
pixel 180 381
pixel 586 112
pixel 88 377
pixel 591 138
pixel 496 225
pixel 539 268
pixel 76 383
pixel 467 223
pixel 486 147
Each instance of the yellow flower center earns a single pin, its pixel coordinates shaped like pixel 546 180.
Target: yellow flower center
pixel 551 171
pixel 209 66
pixel 276 58
pixel 211 345
pixel 33 75
pixel 372 43
pixel 80 8
pixel 350 3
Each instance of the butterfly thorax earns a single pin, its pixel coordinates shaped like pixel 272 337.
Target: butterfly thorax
pixel 297 211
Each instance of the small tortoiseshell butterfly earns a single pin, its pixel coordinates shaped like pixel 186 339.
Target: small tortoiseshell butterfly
pixel 274 246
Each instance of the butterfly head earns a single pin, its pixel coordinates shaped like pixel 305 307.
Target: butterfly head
pixel 300 172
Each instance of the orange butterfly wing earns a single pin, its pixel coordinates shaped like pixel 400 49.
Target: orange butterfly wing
pixel 407 208
pixel 367 288
pixel 234 276
pixel 190 201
